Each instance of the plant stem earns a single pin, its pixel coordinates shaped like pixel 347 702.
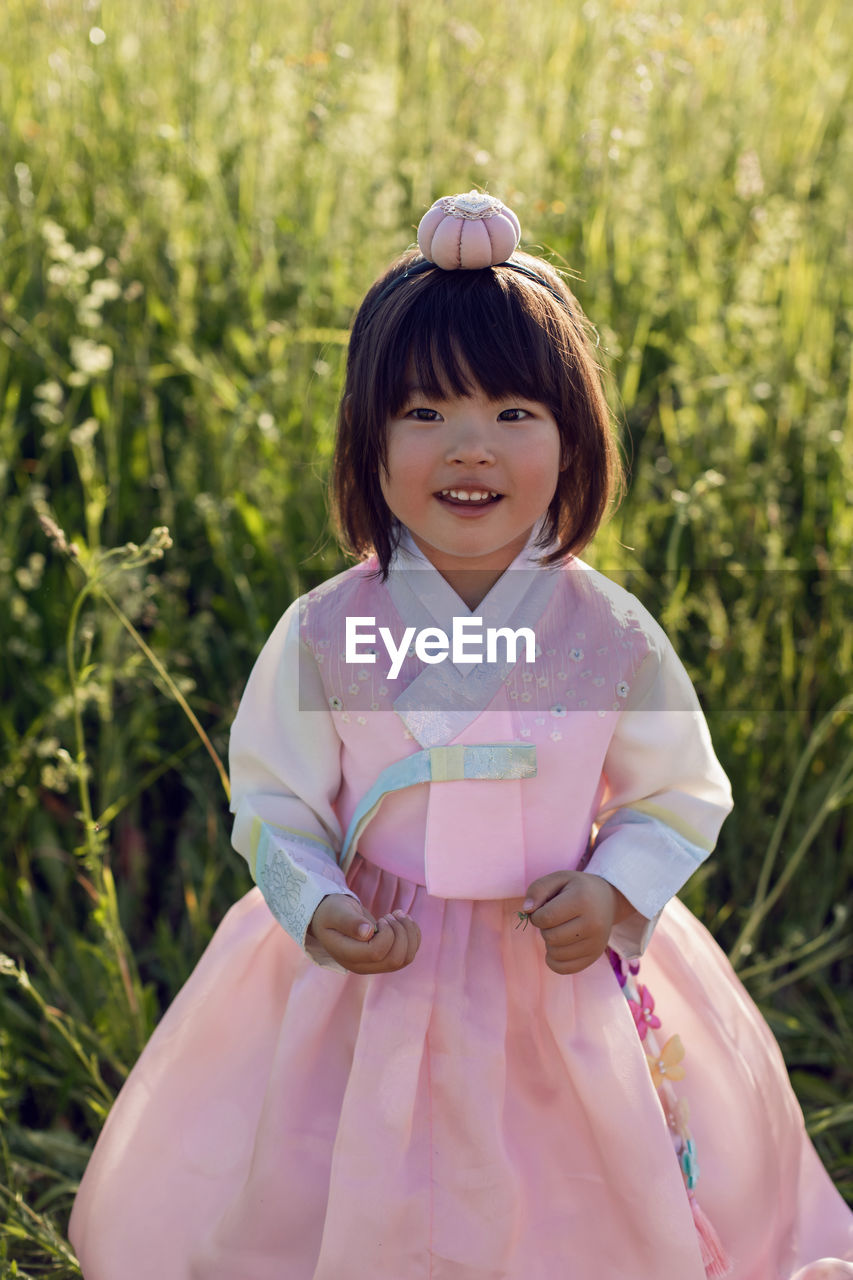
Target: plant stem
pixel 172 687
pixel 93 841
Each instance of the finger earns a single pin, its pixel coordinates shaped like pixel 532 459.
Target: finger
pixel 379 940
pixel 357 955
pixel 587 946
pixel 545 888
pixel 561 910
pixel 389 947
pixel 574 965
pixel 407 939
pixel 383 939
pixel 589 943
pixel 567 933
pixel 348 917
pixel 388 950
pixel 413 935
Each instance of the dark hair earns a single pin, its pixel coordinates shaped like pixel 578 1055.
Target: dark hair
pixel 497 329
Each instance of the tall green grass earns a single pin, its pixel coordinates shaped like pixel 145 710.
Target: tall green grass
pixel 193 199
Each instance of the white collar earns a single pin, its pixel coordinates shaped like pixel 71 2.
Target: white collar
pixel 442 603
pixel 444 698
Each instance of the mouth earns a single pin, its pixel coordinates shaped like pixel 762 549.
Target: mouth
pixel 469 498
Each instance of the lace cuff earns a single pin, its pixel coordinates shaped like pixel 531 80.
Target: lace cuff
pixel 295 872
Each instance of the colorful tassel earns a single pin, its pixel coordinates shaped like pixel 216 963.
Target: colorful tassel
pixel 665 1066
pixel 715 1260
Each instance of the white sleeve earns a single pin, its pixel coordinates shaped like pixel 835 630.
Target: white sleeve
pixel 665 798
pixel 285 775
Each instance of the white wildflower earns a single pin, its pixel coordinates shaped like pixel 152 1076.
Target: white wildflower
pixel 49 391
pixel 83 435
pixel 104 291
pixel 90 357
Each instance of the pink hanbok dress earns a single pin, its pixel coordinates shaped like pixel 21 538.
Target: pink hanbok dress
pixel 474 1116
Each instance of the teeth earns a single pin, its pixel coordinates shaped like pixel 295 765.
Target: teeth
pixel 464 495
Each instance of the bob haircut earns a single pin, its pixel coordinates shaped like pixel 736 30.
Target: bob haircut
pixel 496 329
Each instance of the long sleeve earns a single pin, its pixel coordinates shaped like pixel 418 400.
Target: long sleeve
pixel 285 776
pixel 665 795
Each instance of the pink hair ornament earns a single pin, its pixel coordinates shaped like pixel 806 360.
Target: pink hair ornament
pixel 469 231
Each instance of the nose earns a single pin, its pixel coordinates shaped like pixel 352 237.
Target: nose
pixel 470 442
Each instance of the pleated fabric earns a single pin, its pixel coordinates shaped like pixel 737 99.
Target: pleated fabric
pixel 472 1117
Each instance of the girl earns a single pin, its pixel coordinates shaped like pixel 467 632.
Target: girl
pixel 424 1046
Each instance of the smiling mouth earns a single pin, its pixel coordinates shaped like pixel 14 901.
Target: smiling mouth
pixel 469 497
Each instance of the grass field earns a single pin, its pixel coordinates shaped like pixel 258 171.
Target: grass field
pixel 194 198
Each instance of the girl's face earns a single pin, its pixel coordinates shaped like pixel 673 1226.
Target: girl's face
pixel 470 477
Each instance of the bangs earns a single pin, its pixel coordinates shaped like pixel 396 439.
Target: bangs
pixel 461 331
pixel 507 331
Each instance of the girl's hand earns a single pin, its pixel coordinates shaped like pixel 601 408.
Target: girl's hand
pixel 575 911
pixel 358 942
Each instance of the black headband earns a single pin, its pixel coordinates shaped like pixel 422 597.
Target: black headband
pixel 420 267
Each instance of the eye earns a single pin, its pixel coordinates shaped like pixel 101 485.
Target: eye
pixel 423 415
pixel 513 415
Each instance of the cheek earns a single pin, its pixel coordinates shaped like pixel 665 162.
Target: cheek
pixel 545 467
pixel 399 486
pixel 407 465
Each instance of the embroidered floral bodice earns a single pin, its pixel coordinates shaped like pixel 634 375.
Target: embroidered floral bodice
pixel 625 783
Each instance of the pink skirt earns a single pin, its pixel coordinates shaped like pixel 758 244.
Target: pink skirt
pixel 473 1117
